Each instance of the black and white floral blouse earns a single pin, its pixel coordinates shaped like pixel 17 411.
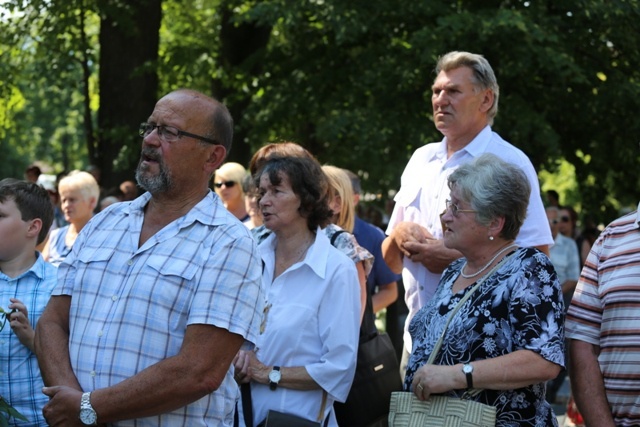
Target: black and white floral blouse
pixel 519 307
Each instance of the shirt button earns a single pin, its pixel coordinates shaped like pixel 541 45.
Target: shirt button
pixel 422 288
pixel 93 373
pixel 130 262
pixel 114 298
pixel 99 333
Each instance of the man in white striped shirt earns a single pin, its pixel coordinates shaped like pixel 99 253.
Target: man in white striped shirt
pixel 603 326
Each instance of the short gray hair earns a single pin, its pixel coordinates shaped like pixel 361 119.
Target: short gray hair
pixel 483 74
pixel 494 188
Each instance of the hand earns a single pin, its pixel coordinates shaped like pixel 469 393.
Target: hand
pixel 63 408
pixel 409 232
pixel 248 367
pixel 434 379
pixel 19 321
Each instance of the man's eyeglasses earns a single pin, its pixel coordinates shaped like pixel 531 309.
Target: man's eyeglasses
pixel 227 184
pixel 455 210
pixel 170 133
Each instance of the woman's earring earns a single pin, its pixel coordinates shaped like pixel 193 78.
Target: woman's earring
pixel 490 237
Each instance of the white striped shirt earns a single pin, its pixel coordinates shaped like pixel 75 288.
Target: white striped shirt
pixel 605 311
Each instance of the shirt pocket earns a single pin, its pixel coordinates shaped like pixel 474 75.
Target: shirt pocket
pixel 90 254
pixel 172 284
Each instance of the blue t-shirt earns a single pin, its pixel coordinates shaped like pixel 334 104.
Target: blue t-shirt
pixel 370 237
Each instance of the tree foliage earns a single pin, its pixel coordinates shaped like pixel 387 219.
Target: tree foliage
pixel 348 80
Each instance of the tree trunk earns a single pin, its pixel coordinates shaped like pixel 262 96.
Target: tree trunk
pixel 239 42
pixel 129 39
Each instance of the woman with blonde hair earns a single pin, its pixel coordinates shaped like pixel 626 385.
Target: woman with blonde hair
pixel 227 183
pixel 79 193
pixel 340 197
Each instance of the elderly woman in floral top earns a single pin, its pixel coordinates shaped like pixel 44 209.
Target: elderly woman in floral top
pixel 507 339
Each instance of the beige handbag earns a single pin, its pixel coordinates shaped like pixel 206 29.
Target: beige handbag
pixel 442 411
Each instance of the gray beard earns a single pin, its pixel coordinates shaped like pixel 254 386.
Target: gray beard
pixel 154 184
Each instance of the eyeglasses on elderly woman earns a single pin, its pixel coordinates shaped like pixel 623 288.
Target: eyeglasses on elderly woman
pixel 455 210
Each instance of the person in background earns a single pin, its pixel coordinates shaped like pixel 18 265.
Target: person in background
pixel 602 328
pixel 507 339
pixel 26 283
pixel 158 294
pixel 341 204
pixel 50 184
pixel 129 190
pixel 251 203
pixel 568 222
pixel 108 201
pixel 227 184
pixel 305 356
pixel 465 102
pixel 79 194
pixel 587 238
pixel 382 283
pixel 32 173
pixel 553 198
pixel 566 261
pixel 564 256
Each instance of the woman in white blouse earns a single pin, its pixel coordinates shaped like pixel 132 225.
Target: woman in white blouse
pixel 305 356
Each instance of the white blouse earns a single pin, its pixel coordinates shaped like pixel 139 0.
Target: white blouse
pixel 311 319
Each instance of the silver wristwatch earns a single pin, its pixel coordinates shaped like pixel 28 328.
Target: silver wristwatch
pixel 467 368
pixel 274 377
pixel 88 415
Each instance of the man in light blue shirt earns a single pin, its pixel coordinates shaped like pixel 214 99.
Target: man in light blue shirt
pixel 158 293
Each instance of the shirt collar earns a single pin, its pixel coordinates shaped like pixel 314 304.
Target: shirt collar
pixel 638 216
pixel 202 212
pixel 478 145
pixel 37 269
pixel 316 257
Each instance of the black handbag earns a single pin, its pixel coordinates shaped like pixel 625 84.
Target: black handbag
pixel 377 376
pixel 275 418
pixel 279 419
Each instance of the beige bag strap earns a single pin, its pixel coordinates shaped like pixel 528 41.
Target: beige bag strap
pixel 464 299
pixel 322 406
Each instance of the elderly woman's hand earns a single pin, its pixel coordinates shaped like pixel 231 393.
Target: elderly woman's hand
pixel 248 368
pixel 435 379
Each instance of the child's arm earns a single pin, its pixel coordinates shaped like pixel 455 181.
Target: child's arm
pixel 19 321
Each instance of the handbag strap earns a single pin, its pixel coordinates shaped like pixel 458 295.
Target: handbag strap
pixel 247 405
pixel 464 299
pixel 322 406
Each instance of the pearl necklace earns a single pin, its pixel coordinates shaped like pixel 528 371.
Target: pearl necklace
pixel 471 276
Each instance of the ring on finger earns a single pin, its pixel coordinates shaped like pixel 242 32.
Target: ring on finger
pixel 420 388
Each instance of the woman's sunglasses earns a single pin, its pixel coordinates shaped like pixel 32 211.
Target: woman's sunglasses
pixel 227 184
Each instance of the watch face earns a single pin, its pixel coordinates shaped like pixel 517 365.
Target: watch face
pixel 274 376
pixel 467 369
pixel 88 416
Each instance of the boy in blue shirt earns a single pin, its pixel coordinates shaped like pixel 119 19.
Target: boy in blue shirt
pixel 26 283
